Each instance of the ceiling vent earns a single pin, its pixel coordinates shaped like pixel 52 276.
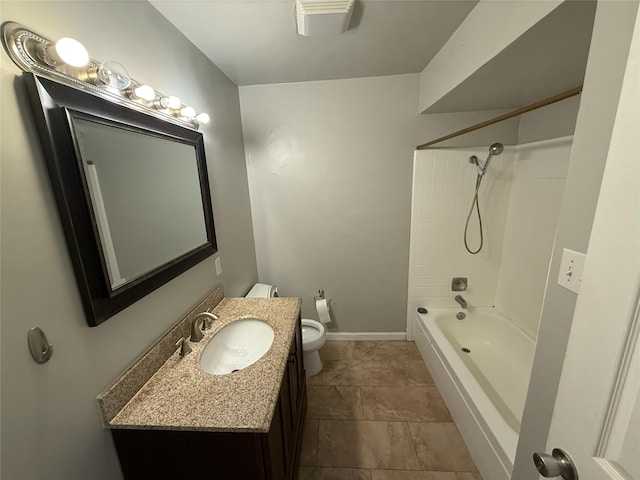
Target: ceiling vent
pixel 323 17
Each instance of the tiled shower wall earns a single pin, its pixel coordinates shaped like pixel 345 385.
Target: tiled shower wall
pixel 443 188
pixel 539 174
pixel 519 201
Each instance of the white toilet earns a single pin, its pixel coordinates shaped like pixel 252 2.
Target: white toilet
pixel 313 332
pixel 313 337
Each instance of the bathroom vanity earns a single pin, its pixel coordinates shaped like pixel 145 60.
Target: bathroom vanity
pixel 188 423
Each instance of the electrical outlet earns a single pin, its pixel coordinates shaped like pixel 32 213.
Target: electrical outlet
pixel 571 267
pixel 218 266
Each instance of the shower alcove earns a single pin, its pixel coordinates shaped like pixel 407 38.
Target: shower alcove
pixel 484 373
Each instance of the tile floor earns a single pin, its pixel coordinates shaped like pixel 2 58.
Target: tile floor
pixel 375 414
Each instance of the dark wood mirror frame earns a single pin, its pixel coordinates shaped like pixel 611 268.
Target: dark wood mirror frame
pixel 52 103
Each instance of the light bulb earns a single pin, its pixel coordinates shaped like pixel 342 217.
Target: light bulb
pixel 202 118
pixel 113 74
pixel 65 50
pixel 145 92
pixel 187 112
pixel 172 102
pixel 71 52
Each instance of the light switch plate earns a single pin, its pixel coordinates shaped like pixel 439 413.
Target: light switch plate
pixel 571 267
pixel 218 266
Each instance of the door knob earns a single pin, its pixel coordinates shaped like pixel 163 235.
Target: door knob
pixel 558 464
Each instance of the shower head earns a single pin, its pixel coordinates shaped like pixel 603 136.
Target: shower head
pixel 496 149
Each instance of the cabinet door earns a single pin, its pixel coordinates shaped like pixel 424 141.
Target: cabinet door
pixel 286 428
pixel 160 454
pixel 286 412
pixel 294 389
pixel 276 462
pixel 299 354
pixel 296 371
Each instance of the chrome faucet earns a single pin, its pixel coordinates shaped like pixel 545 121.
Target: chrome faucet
pixel 196 333
pixel 461 301
pixel 185 349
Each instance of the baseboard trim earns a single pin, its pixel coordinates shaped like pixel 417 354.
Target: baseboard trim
pixel 345 336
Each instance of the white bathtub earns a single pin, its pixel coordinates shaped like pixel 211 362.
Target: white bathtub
pixel 484 389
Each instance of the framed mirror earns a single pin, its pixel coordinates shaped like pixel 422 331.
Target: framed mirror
pixel 132 192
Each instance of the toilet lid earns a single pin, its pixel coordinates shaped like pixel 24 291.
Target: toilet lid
pixel 309 333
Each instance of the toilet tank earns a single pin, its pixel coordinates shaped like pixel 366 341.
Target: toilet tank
pixel 263 290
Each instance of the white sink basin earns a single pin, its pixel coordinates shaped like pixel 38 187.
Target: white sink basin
pixel 236 346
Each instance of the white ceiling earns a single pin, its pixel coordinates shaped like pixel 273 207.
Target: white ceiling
pixel 255 42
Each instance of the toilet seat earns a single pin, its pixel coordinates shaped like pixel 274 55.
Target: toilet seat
pixel 313 334
pixel 313 337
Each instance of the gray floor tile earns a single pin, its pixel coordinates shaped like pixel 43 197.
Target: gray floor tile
pixel 329 473
pixel 309 448
pixel 411 475
pixel 468 476
pixel 387 374
pixel 440 447
pixel 362 444
pixel 337 350
pixel 380 351
pixel 404 404
pixel 334 402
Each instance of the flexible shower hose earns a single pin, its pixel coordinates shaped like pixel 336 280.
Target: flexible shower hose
pixel 475 204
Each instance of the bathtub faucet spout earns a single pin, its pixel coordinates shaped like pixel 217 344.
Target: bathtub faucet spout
pixel 461 301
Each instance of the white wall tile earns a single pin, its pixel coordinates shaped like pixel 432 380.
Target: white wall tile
pixel 437 246
pixel 534 204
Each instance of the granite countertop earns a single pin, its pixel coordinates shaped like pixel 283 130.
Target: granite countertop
pixel 181 396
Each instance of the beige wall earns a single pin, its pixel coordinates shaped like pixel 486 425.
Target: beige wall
pixel 51 427
pixel 553 121
pixel 330 169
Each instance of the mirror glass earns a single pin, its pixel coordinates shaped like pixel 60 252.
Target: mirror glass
pixel 145 196
pixel 132 192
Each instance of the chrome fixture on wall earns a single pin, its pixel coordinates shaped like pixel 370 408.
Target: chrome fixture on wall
pixel 495 149
pixel 68 62
pixel 459 284
pixel 40 348
pixel 460 300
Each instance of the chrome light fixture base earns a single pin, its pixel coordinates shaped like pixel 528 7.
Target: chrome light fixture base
pixel 25 48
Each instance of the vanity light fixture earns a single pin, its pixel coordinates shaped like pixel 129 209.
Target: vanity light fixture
pixel 68 62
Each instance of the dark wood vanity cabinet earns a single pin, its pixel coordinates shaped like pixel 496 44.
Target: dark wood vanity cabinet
pixel 284 448
pixel 225 455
